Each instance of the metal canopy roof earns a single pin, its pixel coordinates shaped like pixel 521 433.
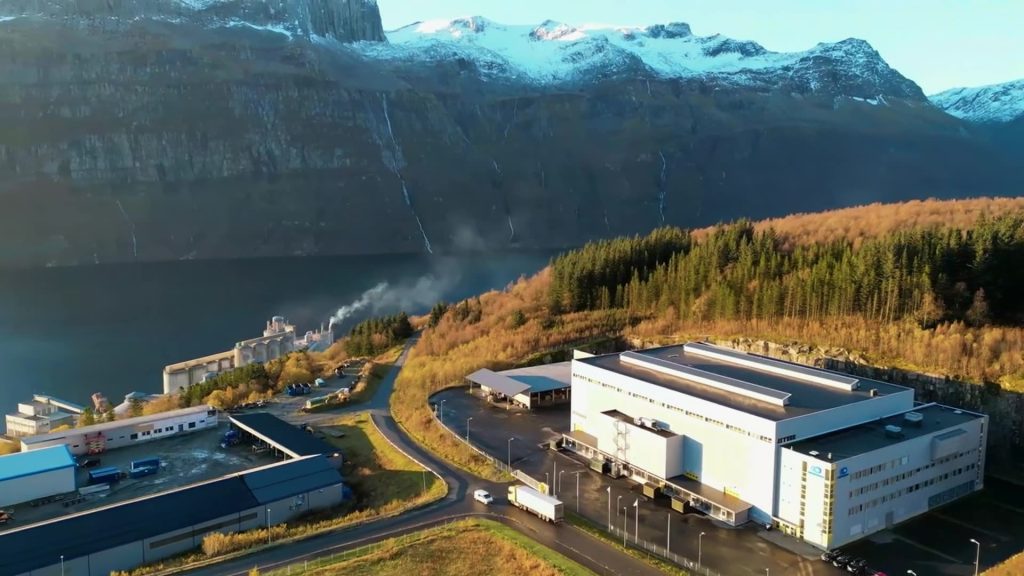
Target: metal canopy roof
pixel 282 435
pixel 491 379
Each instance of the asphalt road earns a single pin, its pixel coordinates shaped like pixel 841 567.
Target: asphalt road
pixel 565 539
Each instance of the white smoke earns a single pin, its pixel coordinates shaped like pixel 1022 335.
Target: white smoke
pixel 368 298
pixel 411 296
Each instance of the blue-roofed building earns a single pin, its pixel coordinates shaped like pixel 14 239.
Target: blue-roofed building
pixel 27 476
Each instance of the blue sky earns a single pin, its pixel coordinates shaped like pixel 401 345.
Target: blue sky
pixel 937 43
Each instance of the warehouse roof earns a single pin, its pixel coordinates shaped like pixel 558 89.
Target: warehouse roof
pixel 103 528
pixel 764 387
pixel 871 436
pixel 116 424
pixel 282 435
pixel 284 479
pixel 543 378
pixel 497 382
pixel 35 462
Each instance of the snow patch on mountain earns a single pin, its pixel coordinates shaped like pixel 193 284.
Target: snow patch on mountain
pixel 992 103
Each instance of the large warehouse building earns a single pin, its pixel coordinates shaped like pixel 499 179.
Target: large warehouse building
pixel 824 456
pixel 27 476
pixel 125 535
pixel 119 433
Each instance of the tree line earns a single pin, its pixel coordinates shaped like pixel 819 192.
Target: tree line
pixel 735 272
pixel 375 335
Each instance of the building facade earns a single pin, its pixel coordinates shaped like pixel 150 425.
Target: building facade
pixel 120 433
pixel 41 415
pixel 711 427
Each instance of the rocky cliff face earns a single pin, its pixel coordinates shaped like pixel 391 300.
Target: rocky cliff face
pixel 145 130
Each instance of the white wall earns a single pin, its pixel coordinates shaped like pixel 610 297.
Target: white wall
pixel 25 488
pixel 120 436
pixel 840 417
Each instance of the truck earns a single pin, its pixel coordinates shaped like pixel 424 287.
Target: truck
pixel 144 467
pixel 543 506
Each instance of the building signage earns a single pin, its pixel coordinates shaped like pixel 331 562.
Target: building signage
pixel 843 472
pixel 816 471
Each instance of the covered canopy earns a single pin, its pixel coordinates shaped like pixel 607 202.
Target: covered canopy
pixel 493 381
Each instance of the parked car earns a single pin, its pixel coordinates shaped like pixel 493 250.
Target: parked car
pixel 857 566
pixel 841 561
pixel 829 555
pixel 483 496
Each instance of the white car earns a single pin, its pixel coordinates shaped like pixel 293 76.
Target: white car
pixel 483 496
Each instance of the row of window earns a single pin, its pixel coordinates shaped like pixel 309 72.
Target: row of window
pixel 909 489
pixel 674 408
pixel 908 474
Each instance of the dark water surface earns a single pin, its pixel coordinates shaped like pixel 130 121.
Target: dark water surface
pixel 70 332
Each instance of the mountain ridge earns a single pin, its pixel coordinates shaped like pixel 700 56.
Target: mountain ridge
pixel 992 103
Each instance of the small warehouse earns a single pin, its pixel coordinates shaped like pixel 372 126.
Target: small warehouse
pixel 530 387
pixel 26 476
pixel 285 439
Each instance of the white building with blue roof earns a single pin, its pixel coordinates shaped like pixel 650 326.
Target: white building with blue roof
pixel 27 476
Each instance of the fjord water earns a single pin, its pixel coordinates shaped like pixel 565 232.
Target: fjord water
pixel 70 332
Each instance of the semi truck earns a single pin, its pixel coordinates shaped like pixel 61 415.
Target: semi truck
pixel 543 506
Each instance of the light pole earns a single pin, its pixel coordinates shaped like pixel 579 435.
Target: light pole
pixel 977 555
pixel 700 547
pixel 617 498
pixel 766 572
pixel 578 490
pixel 440 411
pixel 609 490
pixel 468 420
pixel 911 572
pixel 61 565
pixel 636 530
pixel 624 525
pixel 668 534
pixel 268 525
pixel 547 481
pixel 558 482
pixel 510 452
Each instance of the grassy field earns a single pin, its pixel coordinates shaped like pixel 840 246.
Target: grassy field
pixel 465 547
pixel 599 533
pixel 1013 566
pixel 383 478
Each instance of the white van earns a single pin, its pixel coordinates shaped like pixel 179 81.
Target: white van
pixel 483 496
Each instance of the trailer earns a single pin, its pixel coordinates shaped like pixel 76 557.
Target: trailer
pixel 144 467
pixel 104 475
pixel 543 506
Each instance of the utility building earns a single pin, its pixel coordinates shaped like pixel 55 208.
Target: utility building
pixel 26 476
pixel 729 433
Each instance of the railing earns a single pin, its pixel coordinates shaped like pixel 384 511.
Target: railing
pixel 662 552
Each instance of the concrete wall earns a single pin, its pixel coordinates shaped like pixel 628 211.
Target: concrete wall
pixel 25 488
pixel 654 453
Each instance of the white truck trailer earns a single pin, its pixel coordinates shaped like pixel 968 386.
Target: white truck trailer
pixel 543 506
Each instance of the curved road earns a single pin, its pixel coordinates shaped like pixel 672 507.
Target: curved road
pixel 566 539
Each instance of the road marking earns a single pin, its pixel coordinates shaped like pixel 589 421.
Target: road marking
pixel 927 549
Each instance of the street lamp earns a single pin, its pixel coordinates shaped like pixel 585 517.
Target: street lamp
pixel 440 411
pixel 617 498
pixel 61 565
pixel 558 482
pixel 977 555
pixel 700 547
pixel 547 481
pixel 468 420
pixel 268 525
pixel 609 490
pixel 766 572
pixel 636 530
pixel 911 572
pixel 624 525
pixel 668 533
pixel 578 490
pixel 510 452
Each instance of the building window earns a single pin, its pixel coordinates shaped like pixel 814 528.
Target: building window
pixel 134 436
pixel 191 424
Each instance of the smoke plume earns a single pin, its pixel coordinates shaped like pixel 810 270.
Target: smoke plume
pixel 368 298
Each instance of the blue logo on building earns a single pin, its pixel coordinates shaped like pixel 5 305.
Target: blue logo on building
pixel 844 471
pixel 815 470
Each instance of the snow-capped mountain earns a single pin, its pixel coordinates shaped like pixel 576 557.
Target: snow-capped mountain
pixel 988 104
pixel 554 52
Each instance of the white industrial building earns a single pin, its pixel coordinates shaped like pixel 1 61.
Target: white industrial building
pixel 41 415
pixel 27 476
pixel 119 433
pixel 745 437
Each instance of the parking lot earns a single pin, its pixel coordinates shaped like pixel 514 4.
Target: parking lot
pixel 184 459
pixel 937 543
